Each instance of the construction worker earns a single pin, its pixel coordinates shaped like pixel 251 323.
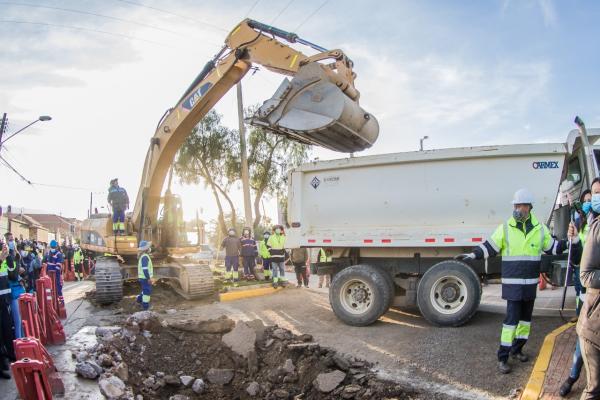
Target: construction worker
pixel 263 251
pixel 7 333
pixel 276 246
pixel 78 261
pixel 119 201
pixel 232 246
pixel 324 257
pixel 248 253
pixel 299 258
pixel 520 241
pixel 145 273
pixel 54 261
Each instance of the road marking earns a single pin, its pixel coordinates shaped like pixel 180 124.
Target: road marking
pixel 534 386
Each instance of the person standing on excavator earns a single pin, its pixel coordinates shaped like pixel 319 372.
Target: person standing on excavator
pixel 145 273
pixel 119 201
pixel 520 241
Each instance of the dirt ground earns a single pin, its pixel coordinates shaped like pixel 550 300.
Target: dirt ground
pixel 155 363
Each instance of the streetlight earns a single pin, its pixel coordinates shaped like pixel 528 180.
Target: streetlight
pixel 40 118
pixel 421 142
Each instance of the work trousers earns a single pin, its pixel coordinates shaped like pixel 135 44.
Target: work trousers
pixel 78 271
pixel 591 359
pixel 278 270
pixel 144 297
pixel 249 265
pixel 577 362
pixel 266 262
pixel 232 262
pixel 7 332
pixel 516 328
pixel 326 278
pixel 301 274
pixel 118 219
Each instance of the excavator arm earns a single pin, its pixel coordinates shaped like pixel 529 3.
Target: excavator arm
pixel 319 106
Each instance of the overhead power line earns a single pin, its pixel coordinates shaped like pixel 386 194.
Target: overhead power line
pixel 7 164
pixel 79 28
pixel 282 11
pixel 310 16
pixel 69 10
pixel 173 14
pixel 251 8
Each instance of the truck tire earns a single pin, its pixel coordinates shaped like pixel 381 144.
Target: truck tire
pixel 360 294
pixel 109 282
pixel 449 293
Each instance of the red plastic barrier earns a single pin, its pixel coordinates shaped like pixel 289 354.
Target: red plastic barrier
pixel 58 301
pixel 55 333
pixel 32 349
pixel 31 379
pixel 30 316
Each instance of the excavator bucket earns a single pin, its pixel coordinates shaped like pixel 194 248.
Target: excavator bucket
pixel 312 109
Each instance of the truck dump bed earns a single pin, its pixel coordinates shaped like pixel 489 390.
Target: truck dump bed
pixel 447 197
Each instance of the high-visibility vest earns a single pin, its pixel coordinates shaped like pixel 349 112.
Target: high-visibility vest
pixel 521 256
pixel 150 268
pixel 263 250
pixel 5 291
pixel 276 245
pixel 323 257
pixel 78 256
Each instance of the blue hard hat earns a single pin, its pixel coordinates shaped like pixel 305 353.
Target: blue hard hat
pixel 144 245
pixel 53 244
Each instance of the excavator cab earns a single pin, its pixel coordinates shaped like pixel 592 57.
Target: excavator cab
pixel 312 109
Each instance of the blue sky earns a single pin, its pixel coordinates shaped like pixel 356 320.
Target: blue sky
pixel 464 73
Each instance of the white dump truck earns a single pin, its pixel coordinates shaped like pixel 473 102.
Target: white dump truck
pixel 392 223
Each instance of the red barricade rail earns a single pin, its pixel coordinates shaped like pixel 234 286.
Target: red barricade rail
pixel 32 349
pixel 30 317
pixel 55 333
pixel 31 379
pixel 58 301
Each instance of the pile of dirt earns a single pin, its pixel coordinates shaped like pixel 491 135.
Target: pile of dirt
pixel 163 298
pixel 220 359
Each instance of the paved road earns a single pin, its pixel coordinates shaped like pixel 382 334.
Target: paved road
pixel 456 361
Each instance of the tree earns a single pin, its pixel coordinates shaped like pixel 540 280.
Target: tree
pixel 204 156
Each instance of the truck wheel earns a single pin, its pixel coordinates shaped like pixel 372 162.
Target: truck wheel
pixel 449 293
pixel 360 294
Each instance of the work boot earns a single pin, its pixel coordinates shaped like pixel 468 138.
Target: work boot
pixel 275 285
pixel 4 375
pixel 299 285
pixel 503 367
pixel 520 356
pixel 566 387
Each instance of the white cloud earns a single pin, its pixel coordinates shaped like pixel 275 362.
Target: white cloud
pixel 548 12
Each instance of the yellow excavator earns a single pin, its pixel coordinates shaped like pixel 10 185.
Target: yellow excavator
pixel 319 106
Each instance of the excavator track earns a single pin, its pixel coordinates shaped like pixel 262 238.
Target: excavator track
pixel 109 283
pixel 195 281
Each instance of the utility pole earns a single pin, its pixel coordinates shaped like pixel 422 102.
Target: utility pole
pixel 3 128
pixel 244 158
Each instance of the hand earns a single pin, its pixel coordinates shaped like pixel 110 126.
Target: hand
pixel 572 233
pixel 465 257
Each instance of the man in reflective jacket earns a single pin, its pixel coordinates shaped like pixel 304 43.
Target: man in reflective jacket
pixel 520 241
pixel 145 273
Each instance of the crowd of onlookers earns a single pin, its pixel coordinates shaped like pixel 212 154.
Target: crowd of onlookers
pixel 270 251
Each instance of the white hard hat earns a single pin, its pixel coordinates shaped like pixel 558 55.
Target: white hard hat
pixel 523 196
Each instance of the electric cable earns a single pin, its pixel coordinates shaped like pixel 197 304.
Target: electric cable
pixel 251 8
pixel 281 12
pixel 311 15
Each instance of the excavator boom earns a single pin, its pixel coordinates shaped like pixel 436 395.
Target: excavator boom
pixel 318 106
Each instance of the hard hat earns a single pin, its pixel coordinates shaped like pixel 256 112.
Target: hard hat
pixel 53 244
pixel 523 196
pixel 144 245
pixel 266 233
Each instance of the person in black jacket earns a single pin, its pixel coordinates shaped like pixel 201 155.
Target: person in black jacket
pixel 248 253
pixel 119 201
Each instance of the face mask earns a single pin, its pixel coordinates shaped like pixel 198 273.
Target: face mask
pixel 11 245
pixel 52 250
pixel 519 215
pixel 278 231
pixel 231 233
pixel 266 236
pixel 596 203
pixel 586 207
pixel 23 253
